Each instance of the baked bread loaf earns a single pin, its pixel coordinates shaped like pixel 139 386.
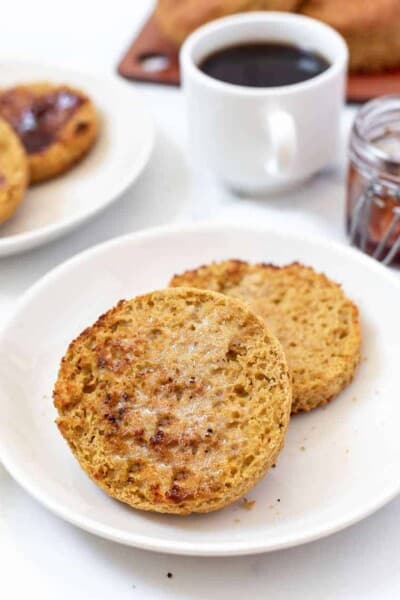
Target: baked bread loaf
pixel 178 18
pixel 177 401
pixel 371 29
pixel 57 125
pixel 317 325
pixel 13 171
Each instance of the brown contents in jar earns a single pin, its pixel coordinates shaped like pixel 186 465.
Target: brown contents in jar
pixel 38 119
pixel 381 220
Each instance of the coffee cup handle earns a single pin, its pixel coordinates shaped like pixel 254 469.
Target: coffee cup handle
pixel 281 131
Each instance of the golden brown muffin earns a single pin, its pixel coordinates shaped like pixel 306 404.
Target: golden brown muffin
pixel 317 325
pixel 371 29
pixel 177 401
pixel 178 18
pixel 57 125
pixel 13 171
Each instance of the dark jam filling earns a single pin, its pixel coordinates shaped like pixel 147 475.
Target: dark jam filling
pixel 38 119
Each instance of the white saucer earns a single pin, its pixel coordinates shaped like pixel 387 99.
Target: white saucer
pixel 339 463
pixel 126 139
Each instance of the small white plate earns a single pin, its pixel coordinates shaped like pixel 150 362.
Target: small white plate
pixel 339 463
pixel 125 142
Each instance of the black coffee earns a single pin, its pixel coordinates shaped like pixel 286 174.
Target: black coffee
pixel 264 64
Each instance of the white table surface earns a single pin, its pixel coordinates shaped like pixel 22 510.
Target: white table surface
pixel 39 553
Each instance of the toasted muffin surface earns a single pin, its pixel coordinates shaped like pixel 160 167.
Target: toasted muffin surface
pixel 13 171
pixel 57 125
pixel 318 326
pixel 353 16
pixel 177 18
pixel 370 28
pixel 177 401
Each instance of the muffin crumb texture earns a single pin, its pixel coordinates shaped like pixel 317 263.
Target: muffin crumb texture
pixel 177 401
pixel 317 325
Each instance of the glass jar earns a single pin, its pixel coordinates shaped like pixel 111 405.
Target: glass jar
pixel 373 192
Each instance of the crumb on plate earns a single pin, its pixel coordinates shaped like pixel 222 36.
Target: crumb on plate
pixel 247 504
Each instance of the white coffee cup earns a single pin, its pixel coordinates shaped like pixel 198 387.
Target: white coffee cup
pixel 264 139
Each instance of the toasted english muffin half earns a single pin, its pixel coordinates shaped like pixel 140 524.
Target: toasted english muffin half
pixel 178 18
pixel 176 402
pixel 370 28
pixel 317 325
pixel 13 171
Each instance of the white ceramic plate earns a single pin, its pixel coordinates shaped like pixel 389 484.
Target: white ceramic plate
pixel 339 464
pixel 51 209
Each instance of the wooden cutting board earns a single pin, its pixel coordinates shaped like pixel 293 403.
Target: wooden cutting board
pixel 150 48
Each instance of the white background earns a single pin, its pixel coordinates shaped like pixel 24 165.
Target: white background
pixel 41 556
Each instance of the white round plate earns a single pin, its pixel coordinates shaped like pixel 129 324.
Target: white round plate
pixel 125 142
pixel 339 463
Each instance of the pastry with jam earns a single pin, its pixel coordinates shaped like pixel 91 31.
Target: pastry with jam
pixel 57 125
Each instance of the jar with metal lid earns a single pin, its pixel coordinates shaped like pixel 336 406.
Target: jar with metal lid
pixel 373 193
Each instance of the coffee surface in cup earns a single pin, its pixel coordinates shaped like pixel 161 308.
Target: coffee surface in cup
pixel 263 64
